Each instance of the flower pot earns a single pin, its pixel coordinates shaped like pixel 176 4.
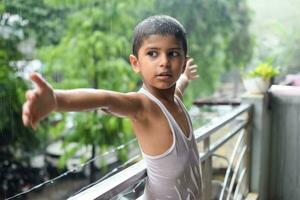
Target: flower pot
pixel 256 85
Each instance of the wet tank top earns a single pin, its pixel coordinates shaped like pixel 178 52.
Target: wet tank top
pixel 176 173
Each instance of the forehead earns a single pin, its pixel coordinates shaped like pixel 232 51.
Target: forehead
pixel 161 41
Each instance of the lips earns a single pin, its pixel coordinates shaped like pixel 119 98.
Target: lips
pixel 162 74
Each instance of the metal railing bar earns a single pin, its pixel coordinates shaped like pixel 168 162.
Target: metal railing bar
pixel 115 184
pixel 222 157
pixel 111 173
pixel 221 141
pixel 206 131
pixel 245 190
pixel 235 171
pixel 207 170
pixel 132 175
pixel 239 183
pixel 74 169
pixel 134 190
pixel 231 163
pixel 216 145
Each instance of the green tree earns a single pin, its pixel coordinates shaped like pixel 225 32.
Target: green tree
pixel 16 141
pixel 46 23
pixel 86 43
pixel 12 132
pixel 94 53
pixel 218 37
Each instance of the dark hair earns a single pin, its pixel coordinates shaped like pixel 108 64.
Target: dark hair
pixel 158 24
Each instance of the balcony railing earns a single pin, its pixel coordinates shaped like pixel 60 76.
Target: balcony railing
pixel 271 139
pixel 236 181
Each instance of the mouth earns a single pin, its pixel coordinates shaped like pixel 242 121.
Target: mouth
pixel 164 74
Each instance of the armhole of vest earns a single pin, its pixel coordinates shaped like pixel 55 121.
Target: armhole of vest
pixel 169 120
pixel 187 117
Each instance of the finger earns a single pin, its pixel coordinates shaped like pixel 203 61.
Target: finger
pixel 194 71
pixel 38 80
pixel 25 108
pixel 25 114
pixel 26 120
pixel 193 67
pixel 195 77
pixel 34 123
pixel 190 61
pixel 31 95
pixel 29 108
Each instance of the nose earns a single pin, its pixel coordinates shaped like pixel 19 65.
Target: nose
pixel 164 60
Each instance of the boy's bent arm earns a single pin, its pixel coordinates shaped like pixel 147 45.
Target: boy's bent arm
pixel 190 73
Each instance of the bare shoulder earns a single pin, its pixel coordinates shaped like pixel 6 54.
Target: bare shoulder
pixel 120 104
pixel 147 115
pixel 144 105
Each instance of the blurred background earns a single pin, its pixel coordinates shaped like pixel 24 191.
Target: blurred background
pixel 86 43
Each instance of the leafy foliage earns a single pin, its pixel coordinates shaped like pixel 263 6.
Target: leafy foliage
pixel 45 23
pixel 86 43
pixel 93 53
pixel 264 70
pixel 218 36
pixel 13 134
pixel 16 141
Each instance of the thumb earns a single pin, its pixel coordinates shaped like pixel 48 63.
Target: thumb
pixel 38 80
pixel 189 61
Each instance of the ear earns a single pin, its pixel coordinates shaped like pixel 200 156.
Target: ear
pixel 134 63
pixel 184 64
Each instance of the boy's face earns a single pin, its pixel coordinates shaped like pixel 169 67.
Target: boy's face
pixel 161 60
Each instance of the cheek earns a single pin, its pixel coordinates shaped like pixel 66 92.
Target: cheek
pixel 179 64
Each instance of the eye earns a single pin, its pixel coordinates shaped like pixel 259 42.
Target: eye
pixel 152 53
pixel 174 54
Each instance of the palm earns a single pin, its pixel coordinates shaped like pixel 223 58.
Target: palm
pixel 39 101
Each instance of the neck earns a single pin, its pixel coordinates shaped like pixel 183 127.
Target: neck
pixel 163 94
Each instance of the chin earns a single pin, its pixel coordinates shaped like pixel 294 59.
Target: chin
pixel 166 86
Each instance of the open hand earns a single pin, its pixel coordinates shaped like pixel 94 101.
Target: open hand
pixel 39 101
pixel 190 70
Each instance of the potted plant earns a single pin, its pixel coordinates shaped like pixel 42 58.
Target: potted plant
pixel 258 80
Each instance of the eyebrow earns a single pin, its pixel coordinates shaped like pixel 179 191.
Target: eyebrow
pixel 156 48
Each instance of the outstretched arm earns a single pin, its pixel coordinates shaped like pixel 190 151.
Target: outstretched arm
pixel 44 99
pixel 190 73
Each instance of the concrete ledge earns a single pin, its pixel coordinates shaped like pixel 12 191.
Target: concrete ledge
pixel 284 90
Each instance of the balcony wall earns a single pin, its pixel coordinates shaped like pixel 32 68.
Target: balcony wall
pixel 285 144
pixel 275 143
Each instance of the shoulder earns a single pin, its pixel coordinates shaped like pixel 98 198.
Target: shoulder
pixel 144 105
pixel 140 98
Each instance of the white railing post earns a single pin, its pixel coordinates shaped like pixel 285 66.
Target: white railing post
pixel 207 175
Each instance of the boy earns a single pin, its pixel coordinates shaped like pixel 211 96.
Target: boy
pixel 159 119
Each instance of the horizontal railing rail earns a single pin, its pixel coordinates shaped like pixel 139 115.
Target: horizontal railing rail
pixel 217 144
pixel 116 184
pixel 206 131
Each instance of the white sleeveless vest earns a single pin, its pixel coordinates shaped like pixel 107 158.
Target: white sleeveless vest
pixel 176 173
